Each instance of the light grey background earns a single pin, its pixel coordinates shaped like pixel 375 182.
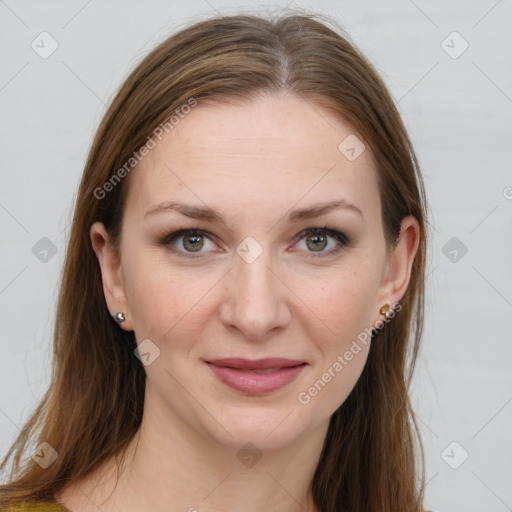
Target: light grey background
pixel 458 112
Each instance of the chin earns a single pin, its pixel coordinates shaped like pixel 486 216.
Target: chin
pixel 263 427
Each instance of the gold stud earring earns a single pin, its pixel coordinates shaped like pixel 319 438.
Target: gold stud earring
pixel 385 311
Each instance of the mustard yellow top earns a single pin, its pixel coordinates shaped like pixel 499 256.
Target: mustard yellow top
pixel 37 506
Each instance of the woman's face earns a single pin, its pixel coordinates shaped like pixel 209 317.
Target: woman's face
pixel 259 283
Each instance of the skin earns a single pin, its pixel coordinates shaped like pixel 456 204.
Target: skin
pixel 254 162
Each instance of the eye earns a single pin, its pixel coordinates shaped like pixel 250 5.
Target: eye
pixel 193 240
pixel 317 239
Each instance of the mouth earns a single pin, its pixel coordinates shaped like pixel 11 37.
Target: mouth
pixel 256 377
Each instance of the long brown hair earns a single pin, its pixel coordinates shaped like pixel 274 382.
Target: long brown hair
pixel 370 460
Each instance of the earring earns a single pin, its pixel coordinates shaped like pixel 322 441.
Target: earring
pixel 119 318
pixel 385 311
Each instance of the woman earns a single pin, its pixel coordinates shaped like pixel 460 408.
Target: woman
pixel 242 298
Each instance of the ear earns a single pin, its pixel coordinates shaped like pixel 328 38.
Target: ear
pixel 398 269
pixel 111 274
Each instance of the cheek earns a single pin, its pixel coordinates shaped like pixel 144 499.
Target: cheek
pixel 343 301
pixel 163 299
pixel 344 306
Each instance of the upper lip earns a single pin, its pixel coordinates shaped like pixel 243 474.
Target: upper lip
pixel 256 364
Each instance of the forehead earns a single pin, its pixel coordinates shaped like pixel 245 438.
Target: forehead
pixel 259 153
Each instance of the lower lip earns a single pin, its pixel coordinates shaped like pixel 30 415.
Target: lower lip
pixel 256 383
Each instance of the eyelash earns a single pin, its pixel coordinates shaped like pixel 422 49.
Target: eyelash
pixel 342 239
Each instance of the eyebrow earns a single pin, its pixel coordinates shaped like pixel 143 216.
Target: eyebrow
pixel 211 214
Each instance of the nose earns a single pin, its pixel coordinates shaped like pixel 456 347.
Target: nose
pixel 255 302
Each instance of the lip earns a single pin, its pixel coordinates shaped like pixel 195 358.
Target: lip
pixel 235 373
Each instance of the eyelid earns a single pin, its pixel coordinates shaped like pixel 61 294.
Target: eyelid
pixel 334 233
pixel 172 235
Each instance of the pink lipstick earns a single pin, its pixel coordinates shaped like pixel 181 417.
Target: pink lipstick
pixel 256 377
